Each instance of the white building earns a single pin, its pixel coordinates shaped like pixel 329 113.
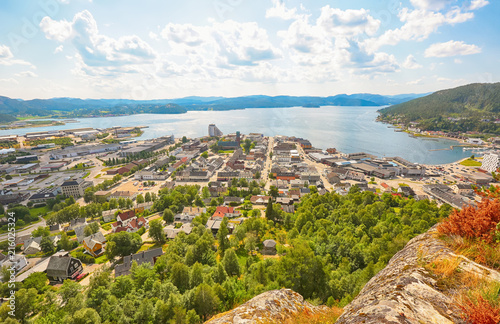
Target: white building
pixel 150 175
pixel 491 162
pixel 214 131
pixel 476 141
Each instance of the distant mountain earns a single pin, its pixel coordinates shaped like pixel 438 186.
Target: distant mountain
pixel 75 107
pixel 465 101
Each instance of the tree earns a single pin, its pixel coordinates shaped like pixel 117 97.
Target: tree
pixel 196 277
pixel 204 155
pixel 41 231
pixel 247 145
pixel 113 204
pixel 122 202
pixel 46 245
pixel 68 290
pixel 222 236
pixel 37 280
pixel 139 199
pixel 184 139
pixel 179 275
pixel 64 243
pixel 168 216
pixel 122 243
pixel 231 264
pixel 205 301
pixel 91 228
pixel 273 191
pixel 86 316
pixel 147 197
pixel 156 231
pixel 270 211
pixel 26 301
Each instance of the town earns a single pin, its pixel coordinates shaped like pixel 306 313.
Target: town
pixel 88 198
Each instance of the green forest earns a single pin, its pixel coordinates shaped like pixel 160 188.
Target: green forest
pixel 327 250
pixel 472 104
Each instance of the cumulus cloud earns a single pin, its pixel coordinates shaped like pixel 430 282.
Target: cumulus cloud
pixel 7 58
pixel 58 49
pixel 418 25
pixel 338 22
pixel 411 63
pixel 476 4
pixel 229 43
pixel 451 48
pixel 279 10
pixel 97 50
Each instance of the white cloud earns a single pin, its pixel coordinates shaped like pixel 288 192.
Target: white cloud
pixel 451 48
pixel 431 4
pixel 7 58
pixel 28 74
pixel 338 22
pixel 476 4
pixel 458 61
pixel 56 30
pixel 229 43
pixel 58 49
pixel 96 51
pixel 279 10
pixel 418 25
pixel 411 63
pixel 9 81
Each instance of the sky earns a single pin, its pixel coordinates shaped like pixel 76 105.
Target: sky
pixel 159 49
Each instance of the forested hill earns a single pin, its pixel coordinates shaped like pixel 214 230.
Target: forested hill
pixel 73 107
pixel 473 100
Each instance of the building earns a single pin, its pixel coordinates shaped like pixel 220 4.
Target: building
pixel 189 213
pixel 225 211
pixel 94 244
pixel 74 187
pixel 213 131
pixel 33 244
pixel 61 268
pixel 491 162
pixel 26 159
pixel 150 175
pixel 269 247
pixel 462 189
pixel 18 262
pixel 149 256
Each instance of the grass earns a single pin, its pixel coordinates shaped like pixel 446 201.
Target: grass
pixel 86 175
pixel 98 176
pixel 476 250
pixel 307 317
pixel 102 259
pixel 470 163
pixel 403 185
pixel 39 211
pixel 226 152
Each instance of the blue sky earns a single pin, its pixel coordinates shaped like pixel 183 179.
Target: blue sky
pixel 168 49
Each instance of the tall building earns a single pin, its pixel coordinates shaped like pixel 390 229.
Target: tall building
pixel 214 131
pixel 491 162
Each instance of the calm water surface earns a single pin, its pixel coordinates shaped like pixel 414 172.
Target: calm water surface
pixel 348 129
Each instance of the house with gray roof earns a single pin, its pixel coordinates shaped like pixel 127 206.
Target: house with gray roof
pixel 149 256
pixel 61 268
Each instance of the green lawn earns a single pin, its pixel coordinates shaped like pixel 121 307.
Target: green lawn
pixel 470 163
pixel 86 175
pixel 39 211
pixel 102 259
pixel 226 152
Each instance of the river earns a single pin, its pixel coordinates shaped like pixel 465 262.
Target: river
pixel 348 129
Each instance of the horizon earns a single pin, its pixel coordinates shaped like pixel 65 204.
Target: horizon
pixel 83 49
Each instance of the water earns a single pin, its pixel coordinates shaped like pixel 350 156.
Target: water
pixel 348 129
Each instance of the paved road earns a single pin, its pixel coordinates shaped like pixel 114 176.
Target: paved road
pixel 25 231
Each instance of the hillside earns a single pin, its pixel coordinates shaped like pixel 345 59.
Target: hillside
pixel 74 107
pixel 467 101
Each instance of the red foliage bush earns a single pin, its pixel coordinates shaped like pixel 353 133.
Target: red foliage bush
pixel 474 222
pixel 481 312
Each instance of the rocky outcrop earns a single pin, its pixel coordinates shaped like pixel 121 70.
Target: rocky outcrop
pixel 405 292
pixel 270 307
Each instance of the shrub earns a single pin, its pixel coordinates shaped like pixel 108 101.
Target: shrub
pixel 474 222
pixel 480 311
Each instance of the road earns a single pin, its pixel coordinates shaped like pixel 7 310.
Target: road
pixel 319 167
pixel 25 231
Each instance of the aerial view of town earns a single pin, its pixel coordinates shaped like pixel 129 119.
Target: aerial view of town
pixel 303 171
